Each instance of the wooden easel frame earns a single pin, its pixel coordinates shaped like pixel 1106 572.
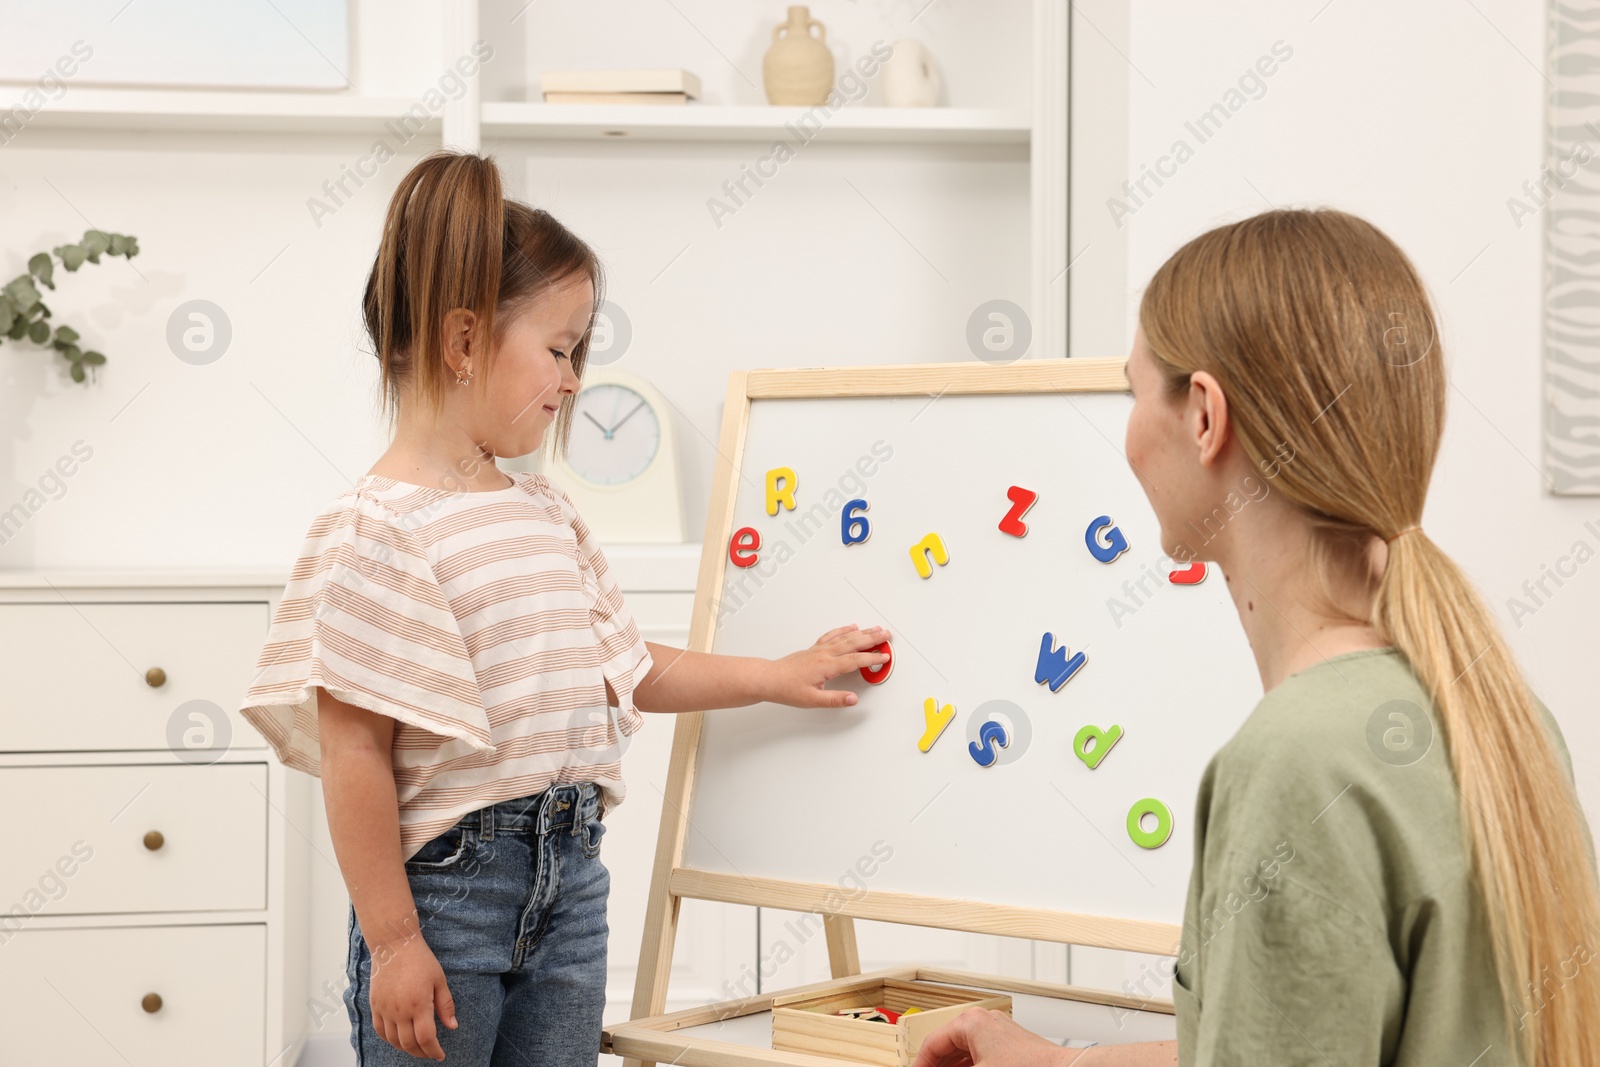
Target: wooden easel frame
pixel 650 1033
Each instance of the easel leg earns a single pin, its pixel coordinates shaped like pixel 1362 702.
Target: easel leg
pixel 843 957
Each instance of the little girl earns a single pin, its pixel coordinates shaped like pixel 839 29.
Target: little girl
pixel 451 640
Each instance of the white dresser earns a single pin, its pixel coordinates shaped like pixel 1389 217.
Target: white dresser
pixel 168 891
pixel 153 891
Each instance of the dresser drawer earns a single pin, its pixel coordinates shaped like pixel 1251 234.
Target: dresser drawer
pixel 78 840
pixel 79 997
pixel 79 677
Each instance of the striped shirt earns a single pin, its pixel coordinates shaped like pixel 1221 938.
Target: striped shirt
pixel 485 623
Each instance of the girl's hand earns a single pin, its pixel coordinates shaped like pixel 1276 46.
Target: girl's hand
pixel 407 986
pixel 798 678
pixel 980 1037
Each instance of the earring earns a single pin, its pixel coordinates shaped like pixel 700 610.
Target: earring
pixel 463 381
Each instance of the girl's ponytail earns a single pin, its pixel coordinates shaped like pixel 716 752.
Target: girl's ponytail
pixel 441 249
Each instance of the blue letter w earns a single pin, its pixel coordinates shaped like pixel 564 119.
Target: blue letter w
pixel 1054 666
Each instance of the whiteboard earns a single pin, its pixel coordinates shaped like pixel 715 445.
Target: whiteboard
pixel 805 795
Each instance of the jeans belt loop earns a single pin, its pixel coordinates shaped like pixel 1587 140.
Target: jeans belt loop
pixel 486 823
pixel 567 802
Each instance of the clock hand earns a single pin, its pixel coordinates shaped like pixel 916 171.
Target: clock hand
pixel 626 417
pixel 596 421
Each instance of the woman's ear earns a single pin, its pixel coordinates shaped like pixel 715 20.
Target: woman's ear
pixel 460 341
pixel 1208 415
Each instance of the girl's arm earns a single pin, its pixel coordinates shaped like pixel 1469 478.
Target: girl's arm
pixel 364 820
pixel 680 680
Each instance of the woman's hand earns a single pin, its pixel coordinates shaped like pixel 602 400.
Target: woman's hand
pixel 984 1038
pixel 407 986
pixel 798 678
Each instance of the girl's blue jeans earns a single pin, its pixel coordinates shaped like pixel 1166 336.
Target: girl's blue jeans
pixel 512 901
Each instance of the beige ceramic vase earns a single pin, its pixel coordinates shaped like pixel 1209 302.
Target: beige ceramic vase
pixel 798 68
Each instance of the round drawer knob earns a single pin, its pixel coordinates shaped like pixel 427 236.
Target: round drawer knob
pixel 153 841
pixel 151 1002
pixel 155 677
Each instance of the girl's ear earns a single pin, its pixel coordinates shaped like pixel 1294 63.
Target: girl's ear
pixel 1209 410
pixel 459 338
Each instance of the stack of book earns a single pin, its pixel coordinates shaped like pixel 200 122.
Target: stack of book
pixel 619 86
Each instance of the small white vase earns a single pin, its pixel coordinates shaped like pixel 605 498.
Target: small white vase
pixel 911 78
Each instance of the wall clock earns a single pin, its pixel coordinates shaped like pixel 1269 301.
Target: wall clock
pixel 621 466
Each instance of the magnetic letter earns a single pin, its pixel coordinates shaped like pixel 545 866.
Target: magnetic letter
pixel 1115 544
pixel 1193 574
pixel 1149 838
pixel 875 675
pixel 990 734
pixel 932 545
pixel 1021 500
pixel 742 549
pixel 1054 666
pixel 785 495
pixel 854 528
pixel 1092 744
pixel 934 719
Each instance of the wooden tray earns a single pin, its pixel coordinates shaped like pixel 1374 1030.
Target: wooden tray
pixel 805 1021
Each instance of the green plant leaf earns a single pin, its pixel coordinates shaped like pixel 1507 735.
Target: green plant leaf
pixel 94 359
pixel 44 311
pixel 8 313
pixel 94 243
pixel 19 329
pixel 71 256
pixel 23 293
pixel 43 267
pixel 78 373
pixel 131 248
pixel 66 333
pixel 39 332
pixel 72 352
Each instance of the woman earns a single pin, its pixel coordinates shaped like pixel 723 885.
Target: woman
pixel 1390 863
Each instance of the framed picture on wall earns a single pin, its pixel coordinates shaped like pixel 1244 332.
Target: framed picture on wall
pixel 285 44
pixel 1567 195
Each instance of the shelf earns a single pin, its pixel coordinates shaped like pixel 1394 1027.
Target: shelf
pixel 712 122
pixel 289 112
pixel 212 111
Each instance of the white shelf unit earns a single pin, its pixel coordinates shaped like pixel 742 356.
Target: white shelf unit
pixel 263 112
pixel 691 122
pixel 219 112
pixel 464 123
